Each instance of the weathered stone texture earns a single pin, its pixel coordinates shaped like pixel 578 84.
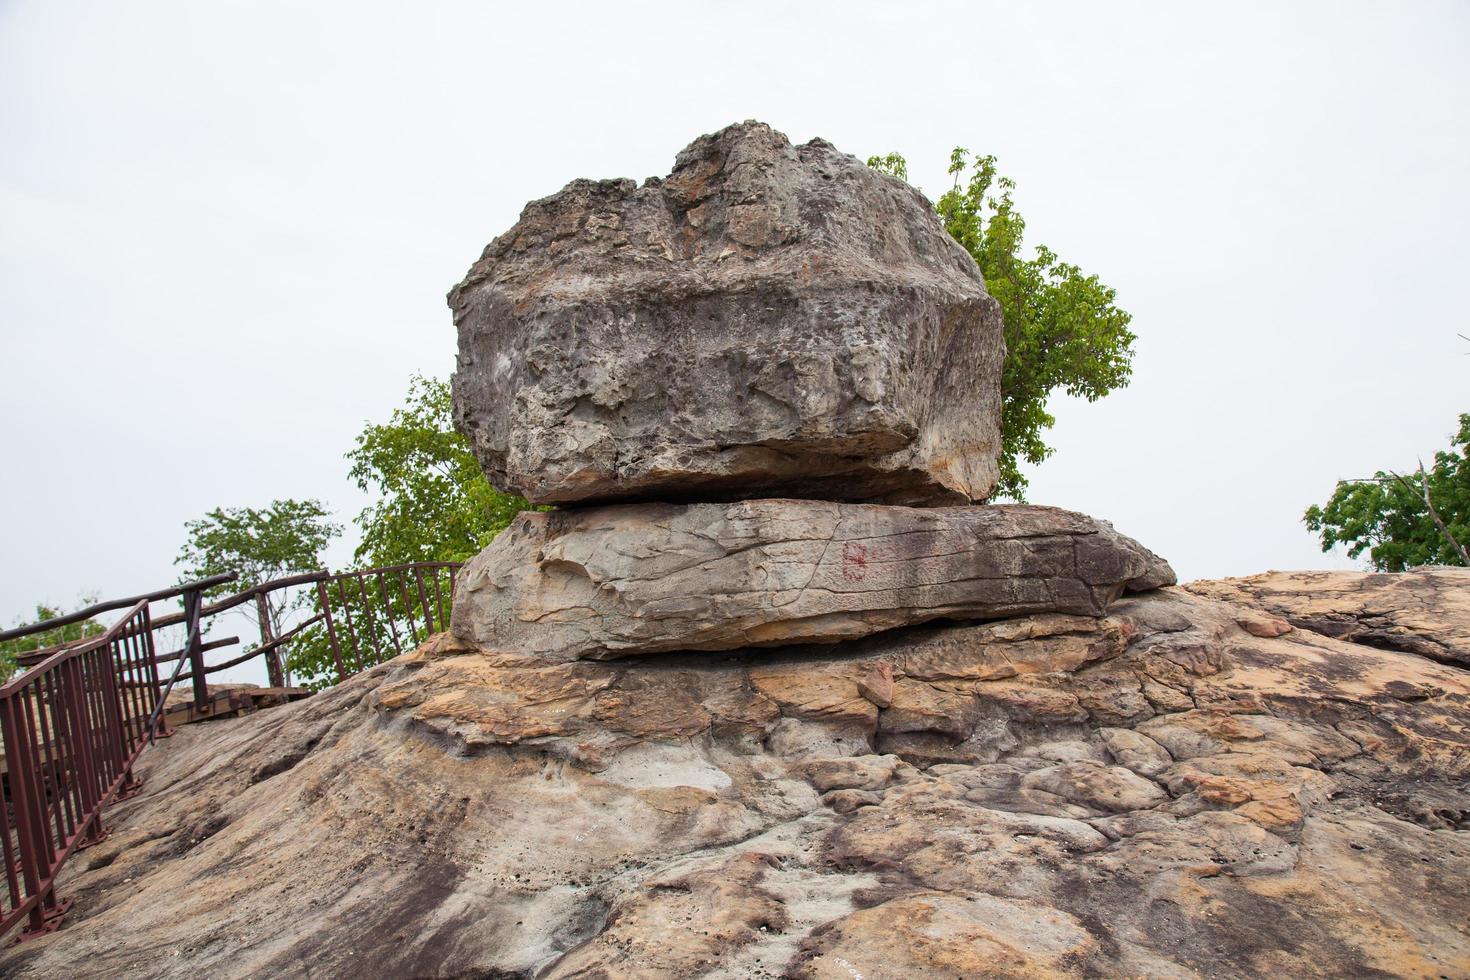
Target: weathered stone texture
pixel 1427 613
pixel 629 579
pixel 1157 793
pixel 768 320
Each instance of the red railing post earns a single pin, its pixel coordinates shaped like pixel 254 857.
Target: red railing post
pixel 155 688
pixel 321 591
pixel 115 726
pixel 23 791
pixel 372 621
pixel 88 777
pixel 418 577
pixel 194 648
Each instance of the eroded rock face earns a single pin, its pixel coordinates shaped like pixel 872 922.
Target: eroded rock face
pixel 1427 613
pixel 633 579
pixel 1158 792
pixel 768 320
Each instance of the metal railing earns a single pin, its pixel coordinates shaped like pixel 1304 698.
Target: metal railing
pixel 357 619
pixel 75 721
pixel 381 609
pixel 72 727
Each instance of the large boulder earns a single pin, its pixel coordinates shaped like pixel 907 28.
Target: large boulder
pixel 628 579
pixel 768 320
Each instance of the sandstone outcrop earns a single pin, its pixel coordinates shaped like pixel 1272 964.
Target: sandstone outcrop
pixel 767 320
pixel 1427 613
pixel 1177 789
pixel 629 579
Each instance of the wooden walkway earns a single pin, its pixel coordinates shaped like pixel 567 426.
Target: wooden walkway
pixel 231 702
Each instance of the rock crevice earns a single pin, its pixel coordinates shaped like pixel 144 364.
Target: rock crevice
pixel 1414 614
pixel 783 320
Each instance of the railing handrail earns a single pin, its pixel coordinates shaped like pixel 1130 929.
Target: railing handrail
pixel 74 724
pixel 286 581
pixel 111 604
pixel 73 650
pixel 32 657
pixel 222 605
pixel 244 596
pixel 406 567
pixel 72 729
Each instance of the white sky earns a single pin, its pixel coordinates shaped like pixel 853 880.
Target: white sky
pixel 227 228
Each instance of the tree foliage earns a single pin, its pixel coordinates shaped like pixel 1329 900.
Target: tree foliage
pixel 258 544
pixel 70 633
pixel 1387 517
pixel 287 537
pixel 1063 330
pixel 432 502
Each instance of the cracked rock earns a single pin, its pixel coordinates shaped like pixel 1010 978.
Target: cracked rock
pixel 1427 613
pixel 1110 789
pixel 630 579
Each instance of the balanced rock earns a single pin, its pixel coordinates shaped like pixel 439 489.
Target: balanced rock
pixel 628 579
pixel 768 320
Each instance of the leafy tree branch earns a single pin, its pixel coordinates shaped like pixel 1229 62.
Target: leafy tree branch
pixel 287 537
pixel 1403 522
pixel 432 501
pixel 1063 328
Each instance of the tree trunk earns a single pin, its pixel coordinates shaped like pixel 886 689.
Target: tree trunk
pixel 273 659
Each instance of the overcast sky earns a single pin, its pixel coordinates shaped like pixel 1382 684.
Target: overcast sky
pixel 227 229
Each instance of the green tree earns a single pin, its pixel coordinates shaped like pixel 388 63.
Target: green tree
pixel 432 502
pixel 1063 330
pixel 70 633
pixel 1393 517
pixel 287 537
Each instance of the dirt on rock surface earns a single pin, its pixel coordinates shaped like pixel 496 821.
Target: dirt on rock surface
pixel 1188 786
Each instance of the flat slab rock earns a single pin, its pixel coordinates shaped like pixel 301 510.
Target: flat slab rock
pixel 768 320
pixel 630 579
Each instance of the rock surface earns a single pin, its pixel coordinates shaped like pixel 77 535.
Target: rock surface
pixel 768 320
pixel 1158 792
pixel 1427 613
pixel 629 579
